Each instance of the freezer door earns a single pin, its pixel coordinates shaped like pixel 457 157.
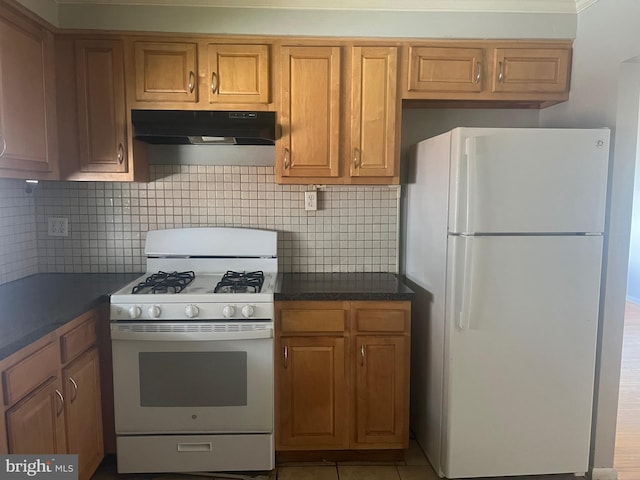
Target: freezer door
pixel 528 180
pixel 520 345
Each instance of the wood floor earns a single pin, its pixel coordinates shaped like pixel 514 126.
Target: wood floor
pixel 627 454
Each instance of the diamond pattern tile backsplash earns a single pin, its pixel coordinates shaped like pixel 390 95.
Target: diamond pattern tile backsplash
pixel 354 229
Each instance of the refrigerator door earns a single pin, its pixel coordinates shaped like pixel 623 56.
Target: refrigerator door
pixel 528 180
pixel 520 345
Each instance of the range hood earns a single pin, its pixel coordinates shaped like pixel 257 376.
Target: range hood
pixel 183 127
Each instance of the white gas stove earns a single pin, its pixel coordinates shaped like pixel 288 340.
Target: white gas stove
pixel 192 343
pixel 202 273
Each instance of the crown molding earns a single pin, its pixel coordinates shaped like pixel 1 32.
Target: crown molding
pixel 584 4
pixel 497 6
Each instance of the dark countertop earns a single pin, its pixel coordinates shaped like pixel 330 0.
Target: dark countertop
pixel 36 305
pixel 342 286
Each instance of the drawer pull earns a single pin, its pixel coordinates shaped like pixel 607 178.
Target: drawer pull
pixel 479 67
pixel 195 447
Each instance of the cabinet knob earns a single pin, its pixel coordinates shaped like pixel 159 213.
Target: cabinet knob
pixel 362 353
pixel 286 356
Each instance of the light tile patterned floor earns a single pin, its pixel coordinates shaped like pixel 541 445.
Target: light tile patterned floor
pixel 414 467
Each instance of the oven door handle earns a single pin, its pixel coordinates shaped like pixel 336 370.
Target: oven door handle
pixel 119 334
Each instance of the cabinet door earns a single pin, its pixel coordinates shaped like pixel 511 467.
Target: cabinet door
pixel 36 424
pixel 83 411
pixel 374 107
pixel 381 391
pixel 102 121
pixel 238 73
pixel 445 69
pixel 309 145
pixel 165 72
pixel 28 134
pixel 311 392
pixel 531 70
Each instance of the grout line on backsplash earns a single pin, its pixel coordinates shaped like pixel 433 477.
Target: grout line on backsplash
pixel 354 229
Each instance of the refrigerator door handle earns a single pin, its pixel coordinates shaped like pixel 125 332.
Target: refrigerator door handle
pixel 470 152
pixel 464 316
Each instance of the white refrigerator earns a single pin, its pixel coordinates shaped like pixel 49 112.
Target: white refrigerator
pixel 503 235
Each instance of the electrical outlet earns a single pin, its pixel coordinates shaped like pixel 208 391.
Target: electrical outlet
pixel 58 226
pixel 311 200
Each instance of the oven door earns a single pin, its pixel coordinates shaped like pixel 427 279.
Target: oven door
pixel 192 377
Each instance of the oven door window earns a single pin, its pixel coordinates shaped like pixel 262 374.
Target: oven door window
pixel 193 379
pixel 223 386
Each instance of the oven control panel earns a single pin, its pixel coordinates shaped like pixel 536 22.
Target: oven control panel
pixel 192 311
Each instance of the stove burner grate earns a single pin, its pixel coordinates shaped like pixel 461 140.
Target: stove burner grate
pixel 163 282
pixel 240 282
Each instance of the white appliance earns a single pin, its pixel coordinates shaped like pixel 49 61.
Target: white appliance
pixel 503 246
pixel 192 344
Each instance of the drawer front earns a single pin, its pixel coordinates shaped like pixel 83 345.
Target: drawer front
pixel 23 377
pixel 307 321
pixel 380 317
pixel 77 340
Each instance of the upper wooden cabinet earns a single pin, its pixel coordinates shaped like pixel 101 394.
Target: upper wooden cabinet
pixel 533 73
pixel 339 115
pixel 95 135
pixel 28 128
pixel 102 119
pixel 445 69
pixel 194 74
pixel 374 112
pixel 309 110
pixel 165 71
pixel 531 70
pixel 238 73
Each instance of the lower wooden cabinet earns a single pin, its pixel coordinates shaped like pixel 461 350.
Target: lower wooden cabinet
pixel 380 390
pixel 342 375
pixel 82 393
pixel 36 424
pixel 312 388
pixel 51 393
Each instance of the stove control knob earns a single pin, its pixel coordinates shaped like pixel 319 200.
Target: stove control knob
pixel 247 311
pixel 228 311
pixel 154 311
pixel 135 312
pixel 191 311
